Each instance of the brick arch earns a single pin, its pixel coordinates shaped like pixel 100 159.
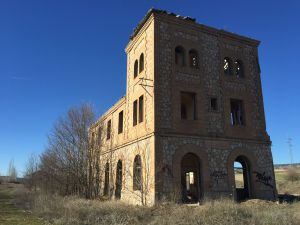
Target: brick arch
pixel 251 161
pixel 123 160
pixel 204 166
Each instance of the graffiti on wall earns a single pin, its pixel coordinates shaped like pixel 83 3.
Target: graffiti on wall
pixel 218 175
pixel 263 178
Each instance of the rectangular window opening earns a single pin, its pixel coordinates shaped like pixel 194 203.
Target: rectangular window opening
pixel 108 130
pixel 99 135
pixel 120 127
pixel 214 104
pixel 237 115
pixel 188 106
pixel 141 109
pixel 135 113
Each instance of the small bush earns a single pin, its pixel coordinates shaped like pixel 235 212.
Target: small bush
pixel 292 174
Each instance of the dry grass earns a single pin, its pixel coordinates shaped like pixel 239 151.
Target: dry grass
pixel 239 179
pixel 57 210
pixel 287 181
pixel 11 212
pixel 293 174
pixel 66 211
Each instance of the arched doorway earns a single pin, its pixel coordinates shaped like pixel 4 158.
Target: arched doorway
pixel 118 180
pixel 190 178
pixel 242 183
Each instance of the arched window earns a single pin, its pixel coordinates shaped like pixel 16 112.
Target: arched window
pixel 119 176
pixel 179 56
pixel 227 66
pixel 106 180
pixel 239 70
pixel 141 62
pixel 99 136
pixel 193 55
pixel 137 173
pixel 136 67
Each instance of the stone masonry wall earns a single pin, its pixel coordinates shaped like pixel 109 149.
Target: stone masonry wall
pixel 216 181
pixel 209 81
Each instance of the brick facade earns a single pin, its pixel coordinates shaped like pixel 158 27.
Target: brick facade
pixel 163 138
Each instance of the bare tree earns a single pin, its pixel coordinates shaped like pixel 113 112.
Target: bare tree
pixel 94 161
pixel 142 187
pixel 12 171
pixel 32 172
pixel 108 160
pixel 140 172
pixel 64 164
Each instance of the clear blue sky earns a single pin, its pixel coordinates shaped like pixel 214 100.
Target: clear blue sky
pixel 58 53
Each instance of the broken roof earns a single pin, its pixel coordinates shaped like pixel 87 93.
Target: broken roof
pixel 157 11
pixel 193 20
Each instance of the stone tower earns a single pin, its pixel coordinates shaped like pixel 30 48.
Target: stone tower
pixel 193 110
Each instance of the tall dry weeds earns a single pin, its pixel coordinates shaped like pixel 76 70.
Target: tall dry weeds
pixel 71 210
pixel 293 174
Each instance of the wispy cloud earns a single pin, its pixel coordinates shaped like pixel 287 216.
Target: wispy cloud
pixel 19 78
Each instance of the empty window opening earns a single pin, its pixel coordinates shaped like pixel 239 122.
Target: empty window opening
pixel 99 135
pixel 137 173
pixel 141 63
pixel 135 106
pixel 179 56
pixel 241 169
pixel 190 178
pixel 239 71
pixel 237 117
pixel 188 106
pixel 136 67
pixel 227 66
pixel 193 55
pixel 214 104
pixel 106 180
pixel 119 176
pixel 141 109
pixel 120 127
pixel 93 140
pixel 108 130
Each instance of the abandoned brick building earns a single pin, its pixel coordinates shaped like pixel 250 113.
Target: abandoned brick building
pixel 193 107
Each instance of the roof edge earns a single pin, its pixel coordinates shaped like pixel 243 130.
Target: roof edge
pixel 110 110
pixel 190 19
pixel 156 11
